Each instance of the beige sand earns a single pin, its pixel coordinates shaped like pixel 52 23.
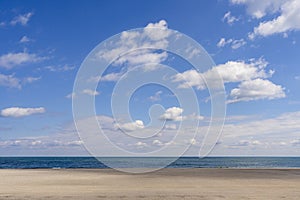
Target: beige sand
pixel 165 184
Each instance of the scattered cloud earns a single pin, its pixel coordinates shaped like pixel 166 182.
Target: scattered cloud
pixel 132 126
pixel 21 112
pixel 22 19
pixel 256 89
pixel 171 126
pixel 172 114
pixel 112 77
pixel 38 143
pixel 13 82
pixel 231 71
pixel 287 19
pixel 156 96
pixel 11 60
pixel 90 92
pixel 259 9
pixel 235 44
pixel 154 35
pixel 251 76
pixel 71 95
pixel 10 81
pixel 31 79
pixel 229 19
pixel 24 39
pixel 238 43
pixel 141 144
pixel 157 143
pixel 63 68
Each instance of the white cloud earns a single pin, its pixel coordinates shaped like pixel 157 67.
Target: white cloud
pixel 193 141
pixel 238 43
pixel 256 89
pixel 229 19
pixel 157 143
pixel 142 57
pixel 112 77
pixel 132 126
pixel 237 71
pixel 251 77
pixel 235 44
pixel 21 112
pixel 154 35
pixel 170 126
pixel 222 42
pixel 24 39
pixel 156 96
pixel 63 68
pixel 231 71
pixel 10 81
pixel 161 31
pixel 90 92
pixel 259 9
pixel 22 19
pixel 141 144
pixel 31 79
pixel 71 95
pixel 288 19
pixel 295 142
pixel 172 114
pixel 248 143
pixel 11 60
pixel 13 82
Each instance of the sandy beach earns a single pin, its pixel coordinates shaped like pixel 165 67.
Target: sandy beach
pixel 164 184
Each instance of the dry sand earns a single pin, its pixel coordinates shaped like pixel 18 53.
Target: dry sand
pixel 165 184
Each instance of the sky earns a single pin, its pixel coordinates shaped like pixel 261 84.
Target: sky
pixel 44 47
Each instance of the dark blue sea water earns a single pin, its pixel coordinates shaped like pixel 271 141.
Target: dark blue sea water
pixel 184 162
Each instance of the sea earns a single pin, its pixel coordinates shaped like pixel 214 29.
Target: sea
pixel 182 162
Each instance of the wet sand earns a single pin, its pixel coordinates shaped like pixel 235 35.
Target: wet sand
pixel 164 184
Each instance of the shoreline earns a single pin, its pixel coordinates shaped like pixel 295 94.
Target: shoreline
pixel 170 183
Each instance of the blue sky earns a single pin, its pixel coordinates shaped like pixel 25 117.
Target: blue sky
pixel 254 47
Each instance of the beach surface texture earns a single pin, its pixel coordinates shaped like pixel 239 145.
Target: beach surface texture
pixel 170 184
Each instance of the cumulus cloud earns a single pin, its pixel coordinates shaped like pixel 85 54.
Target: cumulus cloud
pixel 90 92
pixel 22 19
pixel 259 9
pixel 12 60
pixel 172 114
pixel 251 75
pixel 256 89
pixel 154 35
pixel 287 20
pixel 231 71
pixel 21 112
pixel 131 126
pixel 229 19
